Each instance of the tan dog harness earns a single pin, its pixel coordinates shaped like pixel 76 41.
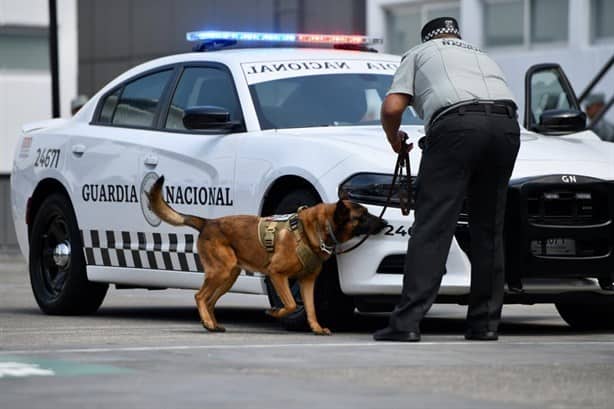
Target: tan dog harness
pixel 269 228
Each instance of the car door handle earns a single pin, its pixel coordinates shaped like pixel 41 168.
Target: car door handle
pixel 78 149
pixel 151 160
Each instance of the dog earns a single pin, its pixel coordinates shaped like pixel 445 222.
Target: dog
pixel 228 244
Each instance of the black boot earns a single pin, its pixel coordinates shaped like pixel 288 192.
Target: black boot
pixel 472 335
pixel 388 334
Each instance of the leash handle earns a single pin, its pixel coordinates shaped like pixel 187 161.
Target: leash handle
pixel 405 196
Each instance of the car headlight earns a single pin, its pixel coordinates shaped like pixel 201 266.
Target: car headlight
pixel 373 188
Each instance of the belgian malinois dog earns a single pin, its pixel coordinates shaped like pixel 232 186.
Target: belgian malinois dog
pixel 228 244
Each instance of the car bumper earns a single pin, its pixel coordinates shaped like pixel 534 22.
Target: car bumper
pixel 375 268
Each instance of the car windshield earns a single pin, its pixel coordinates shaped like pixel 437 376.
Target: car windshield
pixel 323 100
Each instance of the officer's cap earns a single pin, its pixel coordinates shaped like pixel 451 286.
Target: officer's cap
pixel 441 25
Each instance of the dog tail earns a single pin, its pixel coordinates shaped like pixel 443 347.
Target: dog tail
pixel 167 213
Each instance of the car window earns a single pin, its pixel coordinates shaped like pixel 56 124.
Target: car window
pixel 323 100
pixel 108 107
pixel 203 86
pixel 547 93
pixel 136 103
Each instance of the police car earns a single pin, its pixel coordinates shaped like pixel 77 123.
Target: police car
pixel 253 130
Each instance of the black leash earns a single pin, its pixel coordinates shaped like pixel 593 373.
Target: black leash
pixel 405 196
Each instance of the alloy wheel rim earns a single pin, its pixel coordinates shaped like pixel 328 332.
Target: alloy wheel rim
pixel 56 256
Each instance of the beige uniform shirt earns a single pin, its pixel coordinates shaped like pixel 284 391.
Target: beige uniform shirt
pixel 445 71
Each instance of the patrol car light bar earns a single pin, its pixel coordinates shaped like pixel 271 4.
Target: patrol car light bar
pixel 282 37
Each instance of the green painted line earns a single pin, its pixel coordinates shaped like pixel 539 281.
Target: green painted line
pixel 23 366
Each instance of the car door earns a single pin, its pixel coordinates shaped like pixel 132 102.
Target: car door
pixel 551 106
pixel 198 166
pixel 106 169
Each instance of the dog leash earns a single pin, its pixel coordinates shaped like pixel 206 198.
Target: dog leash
pixel 405 196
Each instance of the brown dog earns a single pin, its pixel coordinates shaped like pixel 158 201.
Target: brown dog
pixel 228 244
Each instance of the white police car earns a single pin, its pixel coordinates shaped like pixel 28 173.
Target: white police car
pixel 264 130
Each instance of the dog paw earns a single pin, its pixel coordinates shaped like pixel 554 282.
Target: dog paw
pixel 273 312
pixel 213 328
pixel 323 331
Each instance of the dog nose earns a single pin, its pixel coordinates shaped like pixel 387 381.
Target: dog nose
pixel 380 225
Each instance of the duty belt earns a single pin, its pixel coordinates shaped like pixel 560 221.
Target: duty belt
pixel 500 107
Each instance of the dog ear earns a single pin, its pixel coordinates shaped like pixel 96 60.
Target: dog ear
pixel 343 195
pixel 342 213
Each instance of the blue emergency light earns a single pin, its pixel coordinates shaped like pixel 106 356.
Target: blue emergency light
pixel 282 37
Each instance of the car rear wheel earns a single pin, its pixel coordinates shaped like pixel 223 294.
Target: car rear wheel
pixel 57 265
pixel 588 317
pixel 334 309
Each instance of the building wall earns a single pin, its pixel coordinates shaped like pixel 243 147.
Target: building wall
pixel 580 55
pixel 25 80
pixel 145 29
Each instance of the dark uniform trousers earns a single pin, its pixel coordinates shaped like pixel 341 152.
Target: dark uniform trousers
pixel 469 155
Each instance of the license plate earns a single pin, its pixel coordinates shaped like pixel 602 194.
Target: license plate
pixel 554 247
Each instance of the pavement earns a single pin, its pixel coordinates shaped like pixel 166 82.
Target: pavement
pixel 146 349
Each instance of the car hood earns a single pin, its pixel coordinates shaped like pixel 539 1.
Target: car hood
pixel 580 153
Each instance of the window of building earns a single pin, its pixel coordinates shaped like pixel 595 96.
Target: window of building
pixel 525 22
pixel 136 103
pixel 549 21
pixel 503 23
pixel 404 22
pixel 24 48
pixel 602 12
pixel 203 86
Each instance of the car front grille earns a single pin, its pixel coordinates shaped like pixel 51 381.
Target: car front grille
pixel 555 228
pixel 557 207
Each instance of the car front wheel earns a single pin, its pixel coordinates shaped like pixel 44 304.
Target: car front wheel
pixel 333 308
pixel 57 265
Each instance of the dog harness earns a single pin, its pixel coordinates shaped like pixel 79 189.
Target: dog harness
pixel 269 228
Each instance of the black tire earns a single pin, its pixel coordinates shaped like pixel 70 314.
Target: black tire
pixel 588 317
pixel 60 289
pixel 334 309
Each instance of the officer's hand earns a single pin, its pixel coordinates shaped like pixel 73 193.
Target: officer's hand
pixel 397 141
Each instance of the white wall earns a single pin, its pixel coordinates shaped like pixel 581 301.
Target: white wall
pixel 24 12
pixel 25 96
pixel 580 59
pixel 68 53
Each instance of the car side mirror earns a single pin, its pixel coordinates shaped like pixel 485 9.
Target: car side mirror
pixel 561 121
pixel 208 117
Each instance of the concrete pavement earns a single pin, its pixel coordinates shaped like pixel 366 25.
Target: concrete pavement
pixel 146 349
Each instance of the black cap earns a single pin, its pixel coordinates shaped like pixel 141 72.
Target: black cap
pixel 441 25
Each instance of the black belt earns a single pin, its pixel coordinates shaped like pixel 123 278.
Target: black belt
pixel 501 107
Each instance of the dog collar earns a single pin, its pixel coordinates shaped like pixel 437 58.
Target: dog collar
pixel 323 246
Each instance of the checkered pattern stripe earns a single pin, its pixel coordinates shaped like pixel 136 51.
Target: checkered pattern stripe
pixel 141 250
pixel 443 30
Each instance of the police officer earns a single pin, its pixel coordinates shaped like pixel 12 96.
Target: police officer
pixel 472 139
pixel 594 105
